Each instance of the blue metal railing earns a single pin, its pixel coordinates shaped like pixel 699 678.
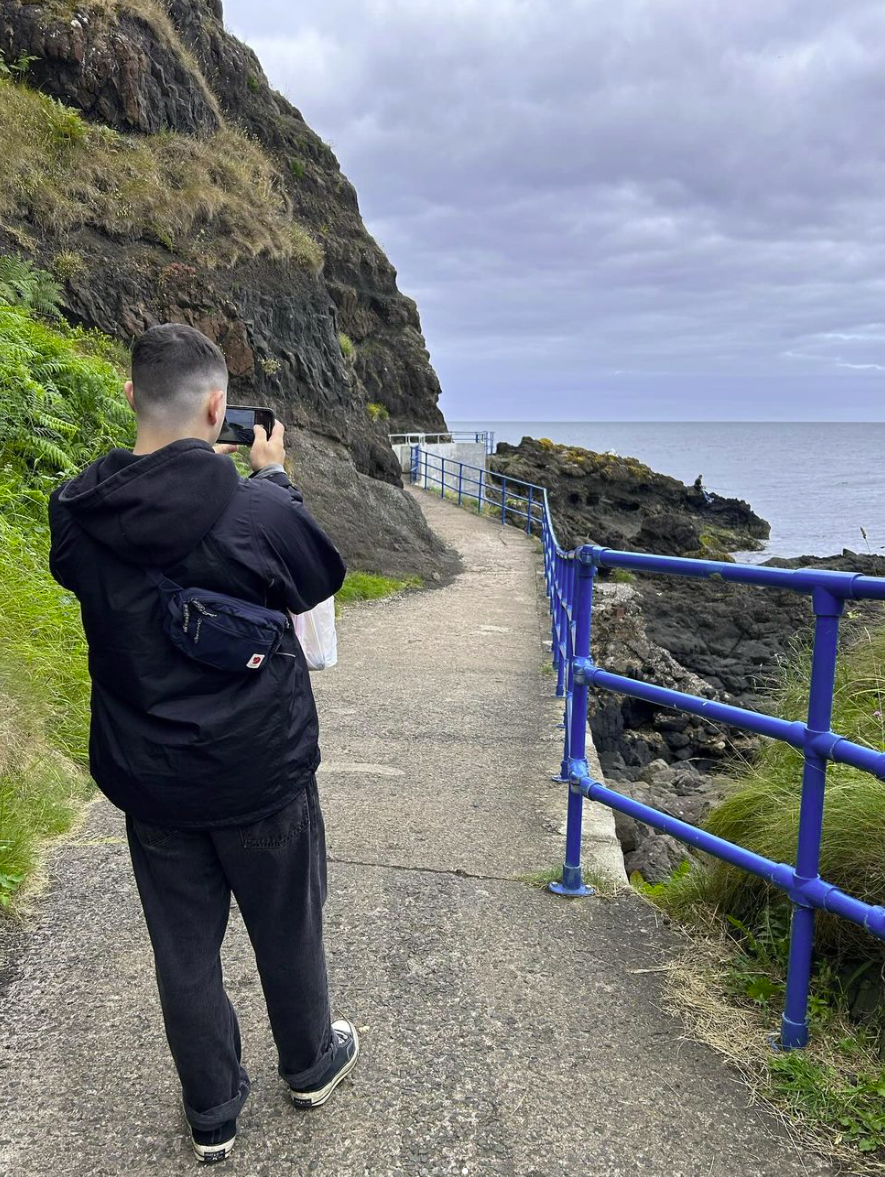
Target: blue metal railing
pixel 569 577
pixel 491 493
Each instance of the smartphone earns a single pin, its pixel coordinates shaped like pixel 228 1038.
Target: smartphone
pixel 239 422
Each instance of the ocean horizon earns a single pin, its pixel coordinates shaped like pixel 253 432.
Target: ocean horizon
pixel 817 483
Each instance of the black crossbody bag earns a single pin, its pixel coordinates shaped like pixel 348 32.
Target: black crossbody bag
pixel 218 630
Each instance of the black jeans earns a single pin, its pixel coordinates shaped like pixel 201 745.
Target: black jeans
pixel 276 868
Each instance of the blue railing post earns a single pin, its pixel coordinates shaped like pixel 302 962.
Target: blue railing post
pixel 460 481
pixel 566 632
pixel 559 613
pixel 575 765
pixel 794 1023
pixel 442 479
pixel 551 594
pixel 414 463
pixel 479 503
pixel 503 500
pixel 528 511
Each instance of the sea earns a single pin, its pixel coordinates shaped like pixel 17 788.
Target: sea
pixel 820 485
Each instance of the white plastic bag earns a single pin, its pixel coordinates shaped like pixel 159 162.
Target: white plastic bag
pixel 315 631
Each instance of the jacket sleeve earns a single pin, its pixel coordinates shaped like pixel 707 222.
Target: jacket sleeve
pixel 295 544
pixel 61 550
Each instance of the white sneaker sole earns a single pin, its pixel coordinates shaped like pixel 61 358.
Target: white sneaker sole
pixel 315 1099
pixel 212 1153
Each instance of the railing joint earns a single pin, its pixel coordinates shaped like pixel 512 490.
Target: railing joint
pixel 577 771
pixel 826 603
pixel 582 669
pixel 803 890
pixel 592 554
pixel 820 743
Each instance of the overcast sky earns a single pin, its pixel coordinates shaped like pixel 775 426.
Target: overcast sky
pixel 614 209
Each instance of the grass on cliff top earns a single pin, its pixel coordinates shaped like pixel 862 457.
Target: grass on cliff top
pixel 217 200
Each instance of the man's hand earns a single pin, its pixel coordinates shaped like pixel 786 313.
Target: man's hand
pixel 267 450
pixel 225 449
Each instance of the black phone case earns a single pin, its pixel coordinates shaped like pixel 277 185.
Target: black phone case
pixel 240 434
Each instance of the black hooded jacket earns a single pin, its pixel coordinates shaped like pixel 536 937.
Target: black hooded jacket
pixel 173 741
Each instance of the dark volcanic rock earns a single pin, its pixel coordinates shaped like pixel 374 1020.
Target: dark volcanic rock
pixel 397 541
pixel 620 503
pixel 736 637
pixel 124 70
pixel 633 738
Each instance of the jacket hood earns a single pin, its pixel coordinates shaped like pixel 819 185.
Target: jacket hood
pixel 155 508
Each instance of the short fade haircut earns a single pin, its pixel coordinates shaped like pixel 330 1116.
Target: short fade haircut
pixel 173 368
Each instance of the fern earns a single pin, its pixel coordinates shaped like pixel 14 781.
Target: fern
pixel 57 424
pixel 23 284
pixel 41 449
pixel 61 403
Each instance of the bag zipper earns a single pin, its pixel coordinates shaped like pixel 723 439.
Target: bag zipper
pixel 201 608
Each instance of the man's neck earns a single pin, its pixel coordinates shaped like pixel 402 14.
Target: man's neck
pixel 147 440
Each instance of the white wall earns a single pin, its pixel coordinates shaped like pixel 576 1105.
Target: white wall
pixel 473 453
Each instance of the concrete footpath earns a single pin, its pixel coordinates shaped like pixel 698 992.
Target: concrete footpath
pixel 505 1032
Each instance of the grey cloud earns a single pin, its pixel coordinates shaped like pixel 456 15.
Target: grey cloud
pixel 620 207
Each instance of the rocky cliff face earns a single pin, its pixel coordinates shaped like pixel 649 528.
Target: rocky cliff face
pixel 147 68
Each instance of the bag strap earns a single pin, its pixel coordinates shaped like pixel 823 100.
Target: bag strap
pixel 163 583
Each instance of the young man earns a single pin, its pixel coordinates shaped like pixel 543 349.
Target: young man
pixel 213 769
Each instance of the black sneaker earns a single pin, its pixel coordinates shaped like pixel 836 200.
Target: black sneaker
pixel 216 1145
pixel 345 1052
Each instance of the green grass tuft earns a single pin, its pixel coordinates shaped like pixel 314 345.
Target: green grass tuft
pixel 835 1089
pixel 68 264
pixel 604 887
pixel 377 412
pixel 371 586
pixel 761 811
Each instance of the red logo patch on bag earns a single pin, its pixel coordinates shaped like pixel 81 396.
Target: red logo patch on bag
pixel 255 661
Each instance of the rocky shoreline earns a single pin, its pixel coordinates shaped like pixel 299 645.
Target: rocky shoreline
pixel 622 503
pixel 709 638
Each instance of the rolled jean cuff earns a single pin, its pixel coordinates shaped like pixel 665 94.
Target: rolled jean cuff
pixel 215 1117
pixel 303 1079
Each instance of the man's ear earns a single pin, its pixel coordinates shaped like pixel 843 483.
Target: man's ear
pixel 127 388
pixel 217 406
